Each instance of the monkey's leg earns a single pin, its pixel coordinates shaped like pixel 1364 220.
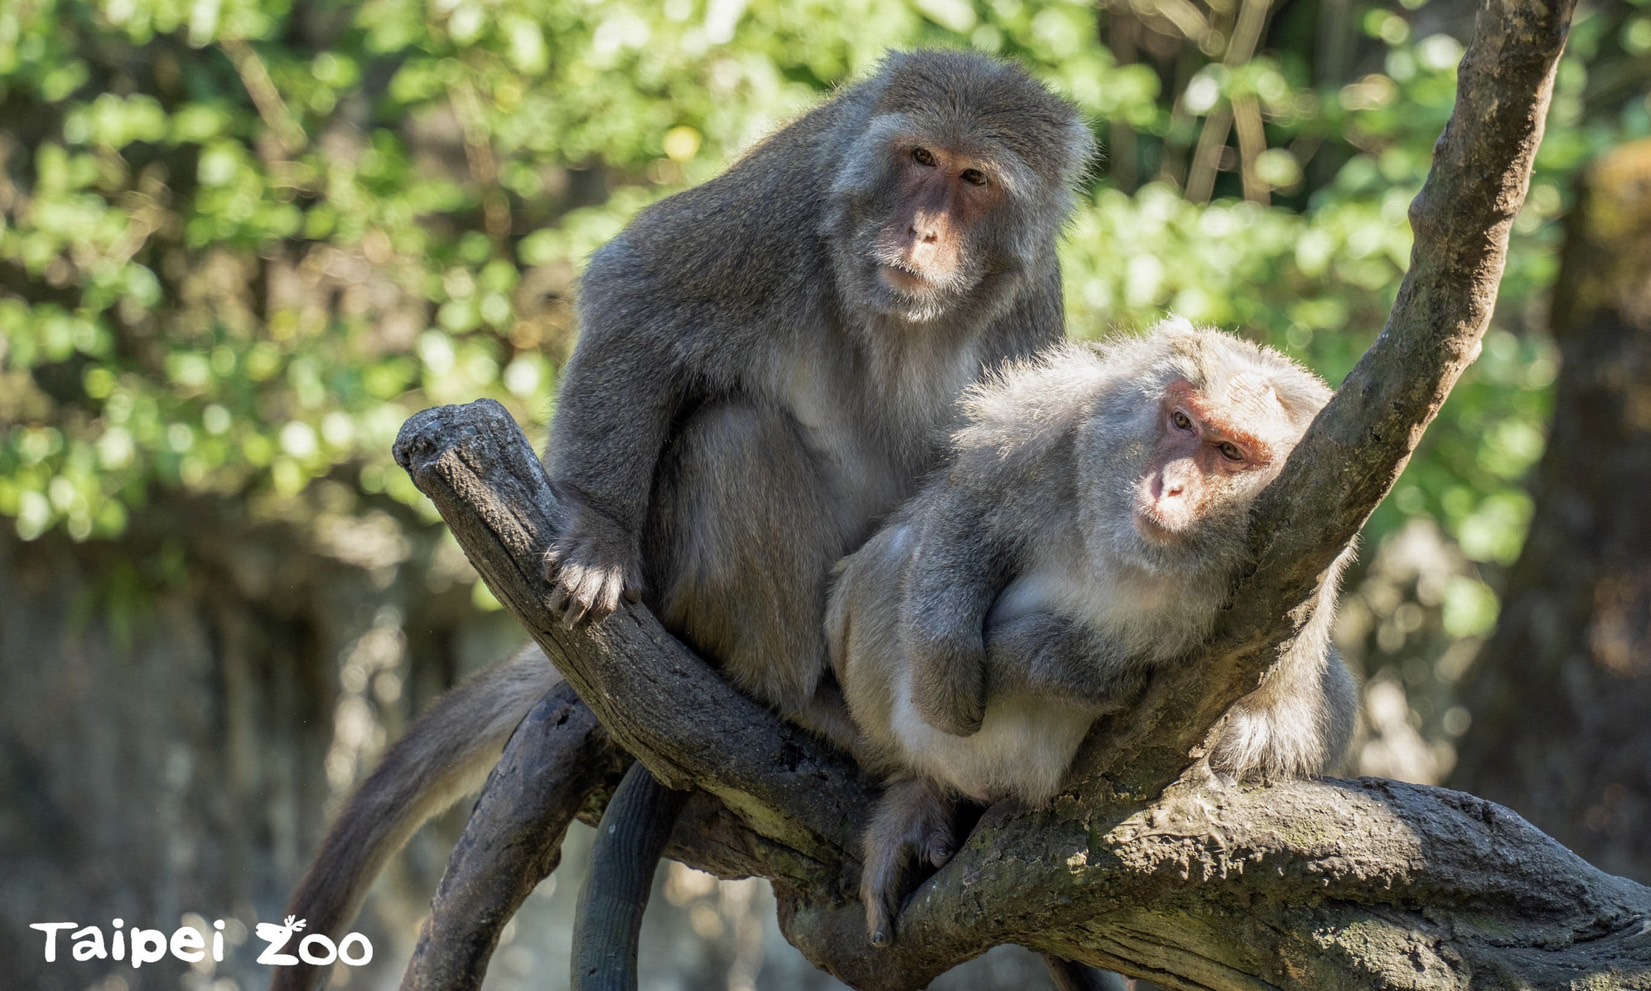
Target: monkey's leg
pixel 1067 662
pixel 741 538
pixel 913 824
pixel 741 541
pixel 950 587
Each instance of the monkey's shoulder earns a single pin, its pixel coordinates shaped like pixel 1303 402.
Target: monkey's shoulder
pixel 1028 413
pixel 732 241
pixel 1058 379
pixel 754 238
pixel 769 199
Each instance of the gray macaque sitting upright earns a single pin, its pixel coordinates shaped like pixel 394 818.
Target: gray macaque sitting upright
pixel 1086 530
pixel 766 366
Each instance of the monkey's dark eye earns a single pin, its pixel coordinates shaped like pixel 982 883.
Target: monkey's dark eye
pixel 923 157
pixel 1181 420
pixel 974 177
pixel 1230 451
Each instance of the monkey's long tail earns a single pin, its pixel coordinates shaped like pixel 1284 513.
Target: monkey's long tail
pixel 445 755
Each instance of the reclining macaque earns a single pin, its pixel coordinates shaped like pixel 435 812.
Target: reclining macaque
pixel 1087 530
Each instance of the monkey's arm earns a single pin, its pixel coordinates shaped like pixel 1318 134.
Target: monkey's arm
pixel 954 576
pixel 1067 662
pixel 613 416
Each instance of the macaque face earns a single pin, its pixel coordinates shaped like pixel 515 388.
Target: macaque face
pixel 937 221
pixel 1212 454
pixel 943 195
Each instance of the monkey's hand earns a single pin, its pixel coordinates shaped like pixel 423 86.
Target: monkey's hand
pixel 592 564
pixel 1067 662
pixel 948 676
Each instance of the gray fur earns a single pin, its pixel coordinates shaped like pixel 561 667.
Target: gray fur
pixel 747 401
pixel 1015 600
pixel 743 363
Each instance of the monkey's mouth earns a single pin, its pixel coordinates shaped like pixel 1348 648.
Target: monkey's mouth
pixel 1154 529
pixel 906 280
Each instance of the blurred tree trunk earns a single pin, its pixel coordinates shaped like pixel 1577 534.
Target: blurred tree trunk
pixel 170 703
pixel 1562 701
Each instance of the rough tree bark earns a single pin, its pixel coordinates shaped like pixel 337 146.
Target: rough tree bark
pixel 1575 630
pixel 1366 884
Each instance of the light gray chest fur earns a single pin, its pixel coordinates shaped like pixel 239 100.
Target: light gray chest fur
pixel 874 418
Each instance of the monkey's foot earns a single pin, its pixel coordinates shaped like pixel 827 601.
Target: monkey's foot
pixel 949 683
pixel 913 826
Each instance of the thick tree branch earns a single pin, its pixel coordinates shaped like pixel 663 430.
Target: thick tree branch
pixel 656 698
pixel 558 755
pixel 1361 884
pixel 1304 884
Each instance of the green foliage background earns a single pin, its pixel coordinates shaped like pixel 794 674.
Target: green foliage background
pixel 242 240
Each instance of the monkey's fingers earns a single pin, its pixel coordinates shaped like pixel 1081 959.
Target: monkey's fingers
pixel 583 589
pixel 588 597
pixel 557 601
pixel 949 686
pixel 564 598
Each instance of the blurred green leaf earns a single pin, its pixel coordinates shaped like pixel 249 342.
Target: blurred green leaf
pixel 242 240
